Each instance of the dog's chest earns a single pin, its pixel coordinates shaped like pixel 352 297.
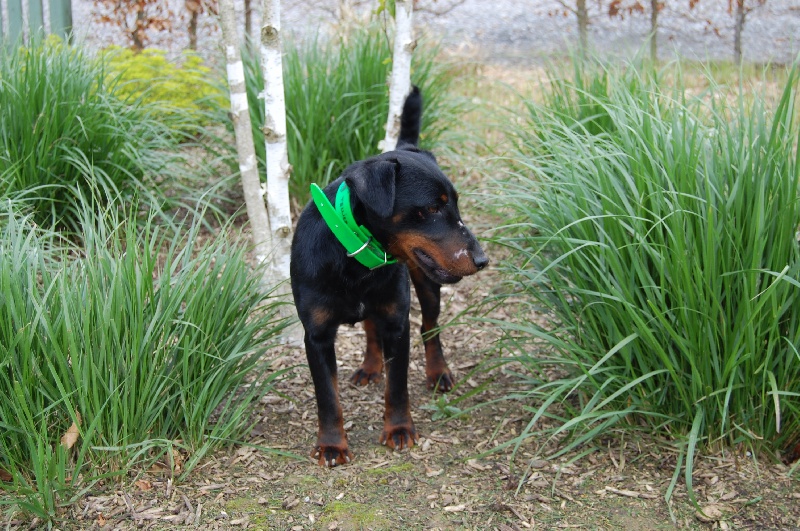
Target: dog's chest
pixel 356 301
pixel 356 314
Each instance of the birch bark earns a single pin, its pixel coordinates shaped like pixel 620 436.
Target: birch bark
pixel 278 169
pixel 400 84
pixel 245 148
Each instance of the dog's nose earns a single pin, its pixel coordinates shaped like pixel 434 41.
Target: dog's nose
pixel 480 260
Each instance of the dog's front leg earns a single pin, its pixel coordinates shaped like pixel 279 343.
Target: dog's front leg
pixel 398 428
pixel 437 372
pixel 331 448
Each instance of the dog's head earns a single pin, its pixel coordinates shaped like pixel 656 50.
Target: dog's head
pixel 409 205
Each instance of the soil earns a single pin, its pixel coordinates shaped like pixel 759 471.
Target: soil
pixel 451 479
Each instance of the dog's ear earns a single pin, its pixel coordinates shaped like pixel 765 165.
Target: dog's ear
pixel 373 183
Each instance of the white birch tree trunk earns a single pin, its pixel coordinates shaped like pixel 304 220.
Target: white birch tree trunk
pixel 245 148
pixel 400 84
pixel 278 168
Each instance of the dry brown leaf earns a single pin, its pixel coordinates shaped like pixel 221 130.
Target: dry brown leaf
pixel 455 508
pixel 472 463
pixel 69 439
pixel 5 475
pixel 157 468
pixel 143 484
pixel 713 512
pixel 177 460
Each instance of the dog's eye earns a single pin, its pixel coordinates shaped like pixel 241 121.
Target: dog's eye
pixel 433 209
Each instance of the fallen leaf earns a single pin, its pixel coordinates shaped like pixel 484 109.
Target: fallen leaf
pixel 143 484
pixel 69 439
pixel 4 475
pixel 290 503
pixel 713 512
pixel 177 460
pixel 455 508
pixel 472 463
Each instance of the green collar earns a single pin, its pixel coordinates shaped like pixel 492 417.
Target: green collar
pixel 356 239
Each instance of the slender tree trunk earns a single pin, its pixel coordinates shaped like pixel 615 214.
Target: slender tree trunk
pixel 193 30
pixel 278 168
pixel 248 166
pixel 248 19
pixel 400 84
pixel 654 8
pixel 583 27
pixel 275 136
pixel 137 35
pixel 737 31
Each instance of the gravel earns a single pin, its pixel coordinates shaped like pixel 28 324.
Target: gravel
pixel 520 32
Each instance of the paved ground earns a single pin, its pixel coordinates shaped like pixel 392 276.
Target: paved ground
pixel 521 31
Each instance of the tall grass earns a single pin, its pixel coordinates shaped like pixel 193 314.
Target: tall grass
pixel 337 102
pixel 659 231
pixel 139 346
pixel 66 128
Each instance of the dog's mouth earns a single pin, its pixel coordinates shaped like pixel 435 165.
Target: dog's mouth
pixel 434 271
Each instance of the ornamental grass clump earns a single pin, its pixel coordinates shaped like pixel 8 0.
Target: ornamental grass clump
pixel 66 128
pixel 659 231
pixel 142 345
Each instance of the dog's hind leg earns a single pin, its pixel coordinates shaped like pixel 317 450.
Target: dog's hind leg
pixel 437 373
pixel 371 369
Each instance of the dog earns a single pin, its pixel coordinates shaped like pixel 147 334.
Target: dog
pixel 385 219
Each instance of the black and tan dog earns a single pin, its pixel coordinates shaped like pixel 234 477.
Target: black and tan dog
pixel 353 249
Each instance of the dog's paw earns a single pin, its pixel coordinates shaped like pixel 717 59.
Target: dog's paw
pixel 364 376
pixel 331 455
pixel 398 437
pixel 442 382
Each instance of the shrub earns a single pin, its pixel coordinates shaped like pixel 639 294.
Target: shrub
pixel 65 132
pixel 186 89
pixel 134 348
pixel 660 233
pixel 337 102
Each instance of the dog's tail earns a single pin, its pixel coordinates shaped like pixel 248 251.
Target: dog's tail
pixel 411 119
